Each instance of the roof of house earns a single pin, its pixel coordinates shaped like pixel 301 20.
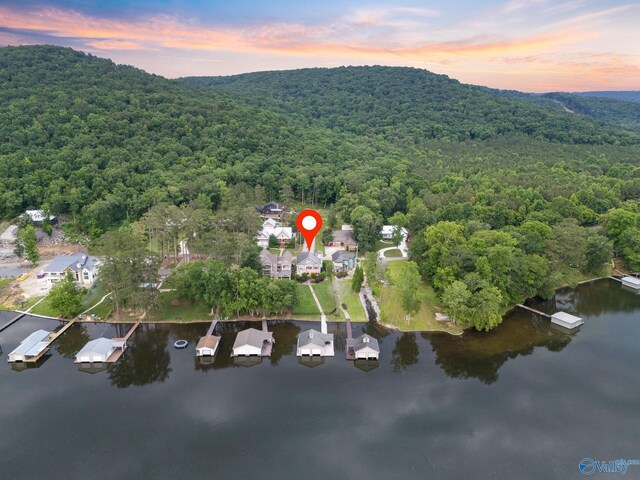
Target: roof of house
pixel 267 257
pixel 252 337
pixel 33 344
pixel 389 229
pixel 630 279
pixel 341 256
pixel 208 341
pixel 344 236
pixel 313 337
pixel 37 215
pixel 566 317
pixel 309 258
pixel 101 346
pixel 271 207
pixel 62 262
pixel 366 341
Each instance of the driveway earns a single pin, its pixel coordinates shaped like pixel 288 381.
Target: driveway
pixel 11 270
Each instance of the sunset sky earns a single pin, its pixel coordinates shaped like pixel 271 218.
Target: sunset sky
pixel 529 45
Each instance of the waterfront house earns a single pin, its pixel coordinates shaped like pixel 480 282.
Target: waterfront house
pixel 31 347
pixel 344 239
pixel 566 320
pixel 207 346
pixel 308 262
pixel 83 268
pixel 271 210
pixel 343 261
pixel 313 342
pixel 276 266
pixel 252 342
pixel 363 347
pixel 99 350
pixel 271 227
pixel 631 282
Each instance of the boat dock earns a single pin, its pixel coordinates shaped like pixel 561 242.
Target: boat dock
pixel 36 345
pixel 208 345
pixel 533 310
pixel 12 321
pixel 122 344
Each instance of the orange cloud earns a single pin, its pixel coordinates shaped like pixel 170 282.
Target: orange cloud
pixel 357 37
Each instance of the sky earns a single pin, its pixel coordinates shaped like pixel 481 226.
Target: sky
pixel 527 45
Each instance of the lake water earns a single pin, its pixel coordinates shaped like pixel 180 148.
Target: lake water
pixel 525 401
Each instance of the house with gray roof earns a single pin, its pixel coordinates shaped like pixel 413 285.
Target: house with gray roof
pixel 344 238
pixel 252 342
pixel 98 350
pixel 308 262
pixel 276 266
pixel 82 267
pixel 363 347
pixel 343 261
pixel 315 343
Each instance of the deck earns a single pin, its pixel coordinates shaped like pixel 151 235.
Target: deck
pixel 533 310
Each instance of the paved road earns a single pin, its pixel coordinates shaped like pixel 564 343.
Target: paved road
pixel 12 271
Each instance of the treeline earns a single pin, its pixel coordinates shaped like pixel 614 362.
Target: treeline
pixel 234 292
pixel 411 105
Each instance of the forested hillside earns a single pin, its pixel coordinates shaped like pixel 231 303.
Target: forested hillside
pixel 411 105
pixel 500 196
pixel 625 96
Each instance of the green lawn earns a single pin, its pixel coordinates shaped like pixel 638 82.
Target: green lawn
pixel 351 300
pixel 93 296
pixel 174 309
pixel 306 304
pixel 326 296
pixel 5 281
pixel 383 244
pixel 395 253
pixel 391 307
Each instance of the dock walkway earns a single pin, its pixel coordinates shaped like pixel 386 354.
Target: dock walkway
pixel 533 310
pixel 323 317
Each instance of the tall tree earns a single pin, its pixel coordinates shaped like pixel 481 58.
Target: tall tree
pixel 29 244
pixel 407 282
pixel 65 297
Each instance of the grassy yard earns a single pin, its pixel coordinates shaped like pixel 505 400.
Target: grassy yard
pixel 93 296
pixel 391 307
pixel 351 300
pixel 380 244
pixel 393 253
pixel 306 304
pixel 174 309
pixel 326 296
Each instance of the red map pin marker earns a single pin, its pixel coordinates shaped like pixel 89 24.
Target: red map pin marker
pixel 309 222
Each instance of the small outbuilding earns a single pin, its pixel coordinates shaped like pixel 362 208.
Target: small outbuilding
pixel 363 347
pixel 252 342
pixel 631 282
pixel 97 351
pixel 313 342
pixel 207 346
pixel 566 320
pixel 31 347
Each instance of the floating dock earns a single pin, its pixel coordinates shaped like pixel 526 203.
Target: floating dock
pixel 631 282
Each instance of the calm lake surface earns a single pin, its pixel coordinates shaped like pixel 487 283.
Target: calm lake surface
pixel 525 401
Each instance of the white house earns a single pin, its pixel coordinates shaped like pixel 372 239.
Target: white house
pixel 83 268
pixel 271 227
pixel 566 320
pixel 252 342
pixel 315 343
pixel 363 347
pixel 387 232
pixel 631 282
pixel 31 347
pixel 308 262
pixel 38 216
pixel 99 350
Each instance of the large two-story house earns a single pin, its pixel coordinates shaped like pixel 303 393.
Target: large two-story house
pixel 271 227
pixel 308 262
pixel 82 267
pixel 276 266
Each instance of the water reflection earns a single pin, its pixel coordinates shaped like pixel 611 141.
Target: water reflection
pixel 405 352
pixel 145 361
pixel 480 355
pixel 69 344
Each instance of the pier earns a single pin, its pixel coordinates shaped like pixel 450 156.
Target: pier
pixel 121 344
pixel 12 321
pixel 36 345
pixel 533 310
